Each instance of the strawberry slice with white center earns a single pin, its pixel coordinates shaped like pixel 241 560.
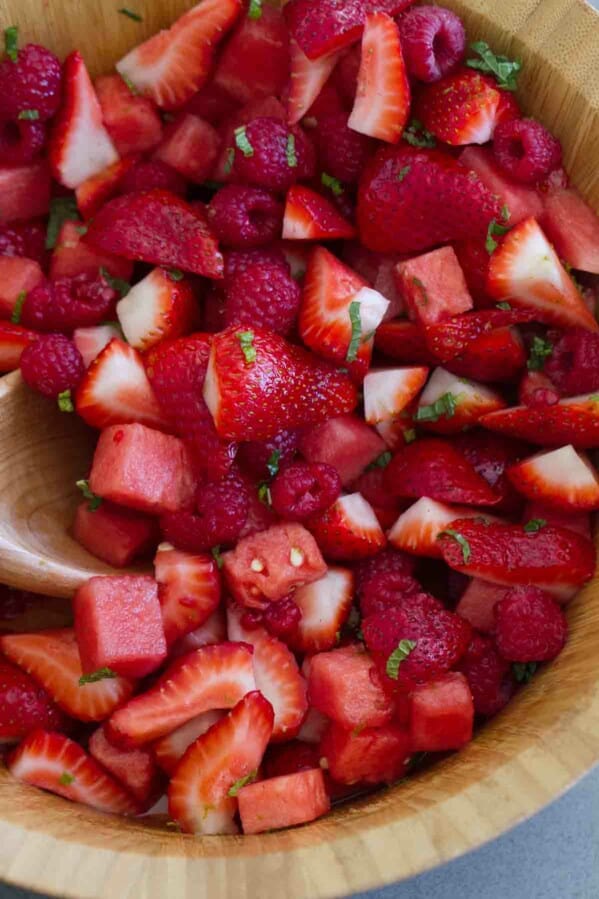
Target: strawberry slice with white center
pixel 382 103
pixel 348 530
pixel 277 675
pixel 449 404
pixel 525 271
pixel 13 340
pixel 51 657
pixel 416 530
pixel 188 589
pixel 325 606
pixel 561 477
pixel 53 762
pixel 308 77
pixel 159 307
pixel 387 392
pixel 80 146
pixel 214 630
pixel 574 420
pixel 310 216
pixel 401 430
pixel 115 390
pixel 169 750
pixel 214 677
pixel 201 796
pixel 173 64
pixel 91 341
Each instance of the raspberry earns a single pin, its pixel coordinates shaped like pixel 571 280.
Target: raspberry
pixel 388 561
pixel 342 152
pixel 525 150
pixel 237 261
pixel 278 154
pixel 441 639
pixel 282 618
pixel 303 489
pixel 386 591
pixel 69 303
pixel 256 455
pixel 21 142
pixel 52 364
pixel 24 239
pixel 536 390
pixel 264 296
pixel 433 41
pixel 531 626
pixel 221 512
pixel 153 174
pixel 489 676
pixel 32 82
pixel 245 216
pixel 574 363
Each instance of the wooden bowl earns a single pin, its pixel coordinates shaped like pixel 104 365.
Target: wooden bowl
pixel 546 739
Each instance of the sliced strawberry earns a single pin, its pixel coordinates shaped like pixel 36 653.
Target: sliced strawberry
pixel 283 801
pixel 310 216
pixel 190 146
pixel 213 677
pixel 491 455
pixel 449 404
pixel 560 477
pixel 201 796
pixel 307 79
pixel 277 675
pixel 91 341
pixel 73 256
pixel 52 659
pixel 382 100
pixel 17 275
pixel 552 558
pixel 401 430
pixel 574 420
pixel 460 109
pixel 132 121
pixel 169 750
pixel 257 385
pixel 348 530
pixel 25 706
pixel 24 191
pixel 214 630
pixel 173 64
pixel 497 356
pixel 477 604
pixel 80 146
pixel 92 193
pixel 580 522
pixel 388 391
pixel 53 762
pixel 13 340
pixel 135 769
pixel 325 606
pixel 403 341
pixel 518 201
pixel 572 227
pixel 116 390
pixel 416 530
pixel 157 308
pixel 525 271
pixel 451 337
pixel 188 589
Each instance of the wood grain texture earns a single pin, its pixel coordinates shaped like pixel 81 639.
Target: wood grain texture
pixel 547 738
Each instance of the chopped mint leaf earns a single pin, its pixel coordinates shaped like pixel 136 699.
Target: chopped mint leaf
pixel 290 152
pixel 505 212
pixel 273 462
pixel 333 184
pixel 121 287
pixel 217 556
pixel 505 70
pixel 410 435
pixel 381 461
pixel 15 316
pixel 417 135
pixel 65 401
pixel 403 172
pixel 175 274
pixel 535 525
pixel 423 301
pixel 94 501
pixel 398 656
pixel 28 115
pixel 130 14
pixel 523 671
pixel 494 230
pixel 81 229
pixel 95 676
pixel 11 42
pixel 356 331
pixel 230 159
pixel 62 209
pixel 129 84
pixel 444 407
pixel 255 10
pixel 504 306
pixel 66 779
pixel 242 141
pixel 264 494
pixel 540 351
pixel 242 782
pixel 459 538
pixel 246 342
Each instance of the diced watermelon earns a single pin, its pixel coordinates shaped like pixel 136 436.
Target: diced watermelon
pixel 283 801
pixel 477 604
pixel 573 229
pixel 91 341
pixel 136 769
pixel 442 714
pixel 115 535
pixel 73 256
pixel 343 685
pixel 371 755
pixel 190 146
pixel 131 120
pixel 24 191
pixel 17 275
pixel 521 201
pixel 347 443
pixel 433 286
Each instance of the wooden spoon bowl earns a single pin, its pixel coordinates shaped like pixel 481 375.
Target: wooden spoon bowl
pixel 549 735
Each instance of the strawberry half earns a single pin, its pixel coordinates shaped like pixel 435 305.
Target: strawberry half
pixel 450 404
pixel 404 342
pixel 115 390
pixel 24 705
pixel 387 392
pixel 80 146
pixel 201 796
pixel 13 340
pixel 307 79
pixel 188 589
pixel 96 190
pixel 169 750
pixel 52 659
pixel 157 308
pixel 213 677
pixel 173 64
pixel 310 216
pixel 416 530
pixel 561 477
pixel 325 605
pixel 460 109
pixel 449 338
pixel 53 762
pixel 382 102
pixel 348 530
pixel 257 385
pixel 499 356
pixel 574 420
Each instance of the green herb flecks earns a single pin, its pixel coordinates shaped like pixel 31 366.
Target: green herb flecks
pixel 130 85
pixel 11 42
pixel 505 70
pixel 523 671
pixel 356 331
pixel 96 676
pixel 17 310
pixel 535 525
pixel 175 274
pixel 444 407
pixel 255 9
pixel 540 351
pixel 28 115
pixel 423 301
pixel 333 184
pixel 381 461
pixel 264 493
pixel 62 209
pixel 94 501
pixel 290 152
pixel 273 462
pixel 216 555
pixel 242 141
pixel 229 160
pixel 461 540
pixel 66 779
pixel 417 135
pixel 494 230
pixel 505 307
pixel 65 401
pixel 398 656
pixel 130 14
pixel 241 783
pixel 246 342
pixel 403 172
pixel 121 287
pixel 409 436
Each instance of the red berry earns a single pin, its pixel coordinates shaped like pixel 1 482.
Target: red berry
pixel 32 82
pixel 574 363
pixel 303 489
pixel 489 676
pixel 530 626
pixel 525 150
pixel 282 618
pixel 269 153
pixel 69 303
pixel 221 512
pixel 151 174
pixel 52 365
pixel 245 216
pixel 21 142
pixel 536 390
pixel 342 152
pixel 388 561
pixel 237 261
pixel 473 257
pixel 24 239
pixel 256 455
pixel 263 296
pixel 386 591
pixel 433 41
pixel 345 78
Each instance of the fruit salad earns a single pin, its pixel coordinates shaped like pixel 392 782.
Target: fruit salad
pixel 328 298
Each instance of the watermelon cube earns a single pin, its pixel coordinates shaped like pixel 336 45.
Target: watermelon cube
pixel 441 714
pixel 283 801
pixel 371 755
pixel 346 442
pixel 268 565
pixel 343 684
pixel 118 625
pixel 477 604
pixel 433 286
pixel 131 120
pixel 17 276
pixel 142 469
pixel 91 341
pixel 573 229
pixel 115 535
pixel 522 202
pixel 24 191
pixel 73 256
pixel 136 769
pixel 190 146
